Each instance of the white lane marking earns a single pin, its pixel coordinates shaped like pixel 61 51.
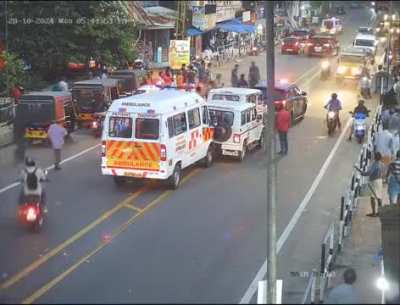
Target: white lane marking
pixel 73 157
pixel 305 74
pixel 289 228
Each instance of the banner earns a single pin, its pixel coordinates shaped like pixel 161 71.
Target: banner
pixel 179 53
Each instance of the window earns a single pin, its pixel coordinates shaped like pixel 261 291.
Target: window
pixel 243 118
pixel 170 127
pixel 252 99
pixel 253 114
pixel 120 127
pixel 180 125
pixel 364 43
pixel 219 117
pixel 248 116
pixel 147 129
pixel 226 97
pixel 205 115
pixel 194 118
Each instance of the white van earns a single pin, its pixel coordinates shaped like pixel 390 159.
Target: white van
pixel 331 26
pixel 237 128
pixel 366 42
pixel 242 95
pixel 156 135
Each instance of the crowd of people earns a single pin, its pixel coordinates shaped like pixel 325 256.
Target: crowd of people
pixel 253 77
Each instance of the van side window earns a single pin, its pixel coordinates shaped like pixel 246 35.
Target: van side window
pixel 180 125
pixel 194 118
pixel 170 127
pixel 252 99
pixel 253 114
pixel 248 116
pixel 243 118
pixel 205 115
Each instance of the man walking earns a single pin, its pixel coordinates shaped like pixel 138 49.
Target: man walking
pixel 56 134
pixel 345 293
pixel 383 144
pixel 254 75
pixel 282 126
pixel 393 178
pixel 234 76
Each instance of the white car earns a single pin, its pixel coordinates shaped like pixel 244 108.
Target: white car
pixel 237 128
pixel 331 26
pixel 366 42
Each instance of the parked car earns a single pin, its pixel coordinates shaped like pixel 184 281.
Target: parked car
pixel 290 95
pixel 322 45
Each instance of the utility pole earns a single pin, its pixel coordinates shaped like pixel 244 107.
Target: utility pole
pixel 270 148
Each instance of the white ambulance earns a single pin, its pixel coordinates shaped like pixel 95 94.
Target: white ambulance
pixel 238 95
pixel 237 128
pixel 156 135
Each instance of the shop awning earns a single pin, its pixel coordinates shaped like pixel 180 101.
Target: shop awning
pixel 237 26
pixel 192 31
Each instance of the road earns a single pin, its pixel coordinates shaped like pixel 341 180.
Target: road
pixel 203 243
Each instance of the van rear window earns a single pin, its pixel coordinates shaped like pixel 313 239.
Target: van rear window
pixel 120 127
pixel 147 129
pixel 226 97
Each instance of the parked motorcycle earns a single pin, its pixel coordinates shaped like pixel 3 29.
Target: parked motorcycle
pixel 359 126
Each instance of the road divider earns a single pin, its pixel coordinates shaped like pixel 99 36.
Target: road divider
pixel 44 289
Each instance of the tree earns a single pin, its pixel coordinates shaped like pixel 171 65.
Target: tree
pixel 48 35
pixel 12 73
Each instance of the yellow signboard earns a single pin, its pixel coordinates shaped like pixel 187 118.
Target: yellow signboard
pixel 179 53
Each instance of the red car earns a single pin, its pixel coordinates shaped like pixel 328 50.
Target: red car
pixel 322 45
pixel 291 45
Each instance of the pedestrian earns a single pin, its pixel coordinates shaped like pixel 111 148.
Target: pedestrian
pixel 234 76
pixel 184 73
pixel 62 84
pixel 393 179
pixel 254 75
pixel 394 120
pixel 375 173
pixel 242 82
pixel 383 144
pixel 180 83
pixel 386 114
pixel 282 126
pixel 191 76
pixel 381 79
pixel 345 292
pixel 56 134
pixel 16 93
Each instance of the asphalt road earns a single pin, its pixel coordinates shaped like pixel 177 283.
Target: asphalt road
pixel 204 242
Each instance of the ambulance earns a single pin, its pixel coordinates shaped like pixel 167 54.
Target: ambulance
pixel 155 136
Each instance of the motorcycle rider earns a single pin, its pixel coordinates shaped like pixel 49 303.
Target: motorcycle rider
pixel 335 105
pixel 360 108
pixel 365 84
pixel 32 177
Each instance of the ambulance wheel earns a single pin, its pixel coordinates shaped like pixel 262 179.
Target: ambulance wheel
pixel 242 154
pixel 175 178
pixel 119 181
pixel 209 158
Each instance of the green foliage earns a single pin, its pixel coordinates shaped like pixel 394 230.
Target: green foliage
pixel 49 34
pixel 13 73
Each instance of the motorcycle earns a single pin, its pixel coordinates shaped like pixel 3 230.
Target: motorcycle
pixel 365 87
pixel 254 51
pixel 97 124
pixel 331 121
pixel 325 70
pixel 360 126
pixel 30 213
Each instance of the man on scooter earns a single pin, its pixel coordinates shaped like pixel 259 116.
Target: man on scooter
pixel 32 177
pixel 335 105
pixel 360 108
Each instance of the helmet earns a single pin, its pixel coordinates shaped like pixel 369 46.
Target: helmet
pixel 334 96
pixel 29 162
pixel 361 102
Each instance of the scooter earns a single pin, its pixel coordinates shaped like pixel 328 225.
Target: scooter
pixel 30 213
pixel 325 70
pixel 331 121
pixel 360 126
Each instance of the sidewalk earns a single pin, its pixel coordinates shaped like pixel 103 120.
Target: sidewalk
pixel 360 251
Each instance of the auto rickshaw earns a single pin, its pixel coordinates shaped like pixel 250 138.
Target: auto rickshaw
pixel 130 80
pixel 36 111
pixel 93 96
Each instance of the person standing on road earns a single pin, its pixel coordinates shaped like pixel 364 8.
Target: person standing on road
pixel 254 75
pixel 242 82
pixel 234 76
pixel 56 134
pixel 393 178
pixel 383 144
pixel 375 173
pixel 345 293
pixel 282 125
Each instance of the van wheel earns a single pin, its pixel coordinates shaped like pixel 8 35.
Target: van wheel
pixel 209 158
pixel 119 181
pixel 242 154
pixel 175 178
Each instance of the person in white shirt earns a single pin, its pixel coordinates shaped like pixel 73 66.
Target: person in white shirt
pixel 384 144
pixel 56 134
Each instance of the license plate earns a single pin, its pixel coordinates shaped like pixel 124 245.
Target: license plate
pixel 230 153
pixel 35 134
pixel 289 50
pixel 134 175
pixel 318 49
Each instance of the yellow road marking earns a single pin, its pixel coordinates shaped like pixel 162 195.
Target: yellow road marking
pixel 44 289
pixel 132 207
pixel 36 264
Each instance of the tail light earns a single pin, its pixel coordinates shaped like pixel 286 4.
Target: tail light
pixel 95 124
pixel 103 148
pixel 236 138
pixel 163 153
pixel 297 43
pixel 31 214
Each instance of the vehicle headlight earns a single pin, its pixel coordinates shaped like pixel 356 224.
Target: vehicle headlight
pixel 341 69
pixel 355 71
pixel 382 39
pixel 325 65
pixel 359 127
pixel 331 114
